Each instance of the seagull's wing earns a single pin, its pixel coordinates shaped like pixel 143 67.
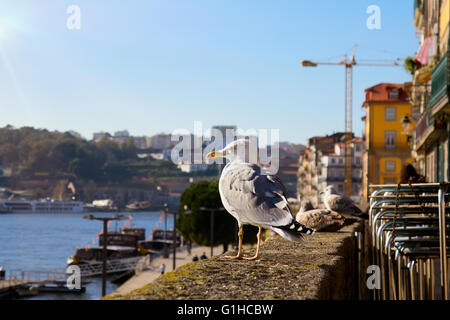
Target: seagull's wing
pixel 258 199
pixel 342 204
pixel 319 219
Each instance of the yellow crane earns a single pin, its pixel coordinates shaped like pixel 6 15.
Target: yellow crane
pixel 348 63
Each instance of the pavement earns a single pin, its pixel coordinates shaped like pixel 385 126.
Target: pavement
pixel 182 257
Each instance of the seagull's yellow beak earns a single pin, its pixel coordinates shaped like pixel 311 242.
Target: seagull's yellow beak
pixel 215 154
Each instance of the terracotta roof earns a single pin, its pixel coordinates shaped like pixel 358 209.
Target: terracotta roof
pixel 380 93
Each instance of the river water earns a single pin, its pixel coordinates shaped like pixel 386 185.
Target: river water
pixel 44 241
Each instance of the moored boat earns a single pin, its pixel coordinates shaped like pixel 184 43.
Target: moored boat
pixel 41 206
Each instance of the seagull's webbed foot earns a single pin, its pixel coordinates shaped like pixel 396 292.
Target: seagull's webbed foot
pixel 237 257
pixel 255 257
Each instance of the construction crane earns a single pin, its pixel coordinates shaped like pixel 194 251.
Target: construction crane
pixel 348 136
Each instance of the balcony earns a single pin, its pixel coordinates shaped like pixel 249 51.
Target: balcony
pixel 440 86
pixel 428 130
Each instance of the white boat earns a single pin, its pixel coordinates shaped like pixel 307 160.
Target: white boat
pixel 37 206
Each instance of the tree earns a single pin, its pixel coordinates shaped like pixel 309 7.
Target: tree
pixel 90 190
pixel 196 225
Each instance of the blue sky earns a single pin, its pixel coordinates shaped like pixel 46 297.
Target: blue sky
pixel 158 65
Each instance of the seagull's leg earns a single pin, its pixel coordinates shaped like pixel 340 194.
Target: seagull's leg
pixel 256 256
pixel 240 253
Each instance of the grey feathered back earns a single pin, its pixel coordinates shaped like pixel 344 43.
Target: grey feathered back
pixel 320 219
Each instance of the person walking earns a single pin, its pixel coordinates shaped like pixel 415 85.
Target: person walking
pixel 162 268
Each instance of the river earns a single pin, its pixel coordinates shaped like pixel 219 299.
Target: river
pixel 43 241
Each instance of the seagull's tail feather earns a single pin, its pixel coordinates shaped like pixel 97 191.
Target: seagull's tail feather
pixel 293 231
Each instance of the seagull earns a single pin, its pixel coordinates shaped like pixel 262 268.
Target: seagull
pixel 319 219
pixel 338 203
pixel 254 198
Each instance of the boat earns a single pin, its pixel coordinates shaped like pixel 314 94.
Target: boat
pixel 138 206
pixel 160 239
pixel 105 205
pixel 119 259
pixel 124 252
pixel 41 206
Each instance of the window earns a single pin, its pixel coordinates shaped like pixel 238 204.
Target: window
pixel 341 161
pixel 358 148
pixel 390 165
pixel 390 140
pixel 333 160
pixel 390 114
pixel 330 172
pixel 358 160
pixel 394 94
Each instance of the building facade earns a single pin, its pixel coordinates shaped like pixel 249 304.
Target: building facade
pixel 431 89
pixel 386 143
pixel 322 163
pixel 333 169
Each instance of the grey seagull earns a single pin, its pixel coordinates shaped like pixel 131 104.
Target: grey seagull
pixel 254 198
pixel 338 203
pixel 318 219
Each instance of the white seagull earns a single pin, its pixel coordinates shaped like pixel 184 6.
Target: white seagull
pixel 254 198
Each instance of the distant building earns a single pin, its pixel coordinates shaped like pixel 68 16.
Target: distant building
pixel 190 167
pixel 322 163
pixel 121 136
pixel 75 134
pixel 287 171
pixel 161 141
pixel 387 145
pixel 141 142
pixel 332 171
pixel 228 133
pixel 97 136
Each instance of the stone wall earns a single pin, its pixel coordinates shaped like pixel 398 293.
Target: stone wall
pixel 322 267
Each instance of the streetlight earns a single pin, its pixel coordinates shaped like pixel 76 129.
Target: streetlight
pixel 166 211
pixel 307 63
pixel 105 243
pixel 213 211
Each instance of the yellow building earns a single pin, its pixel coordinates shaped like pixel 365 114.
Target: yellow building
pixel 387 143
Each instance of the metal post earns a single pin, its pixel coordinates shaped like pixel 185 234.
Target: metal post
pixel 212 211
pixel 174 240
pixel 212 232
pixel 442 242
pixel 105 251
pixel 105 244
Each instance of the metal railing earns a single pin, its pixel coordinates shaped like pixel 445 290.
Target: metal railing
pixel 408 233
pixel 112 266
pixel 23 277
